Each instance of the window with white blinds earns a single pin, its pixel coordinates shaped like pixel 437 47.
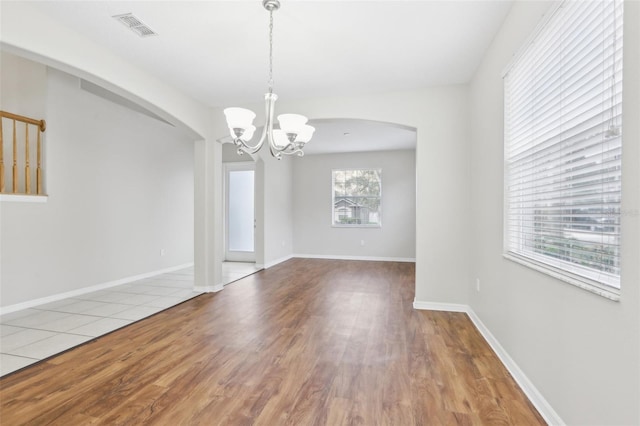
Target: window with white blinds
pixel 563 106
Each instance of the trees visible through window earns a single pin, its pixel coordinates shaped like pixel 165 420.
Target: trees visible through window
pixel 357 194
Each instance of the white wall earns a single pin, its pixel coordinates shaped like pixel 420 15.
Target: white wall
pixel 22 87
pixel 120 188
pixel 230 154
pixel 278 207
pixel 313 233
pixel 580 350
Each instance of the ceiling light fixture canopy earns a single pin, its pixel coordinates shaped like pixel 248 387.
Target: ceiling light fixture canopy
pixel 294 132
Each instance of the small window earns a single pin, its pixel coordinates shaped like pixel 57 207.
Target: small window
pixel 357 194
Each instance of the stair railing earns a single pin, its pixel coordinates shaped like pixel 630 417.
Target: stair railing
pixel 26 189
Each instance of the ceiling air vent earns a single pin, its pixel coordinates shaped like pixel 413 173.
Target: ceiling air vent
pixel 135 25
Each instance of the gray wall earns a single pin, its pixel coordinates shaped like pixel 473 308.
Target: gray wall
pixel 580 350
pixel 312 213
pixel 277 207
pixel 120 188
pixel 230 154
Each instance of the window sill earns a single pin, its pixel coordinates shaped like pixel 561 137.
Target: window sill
pixel 22 198
pixel 610 294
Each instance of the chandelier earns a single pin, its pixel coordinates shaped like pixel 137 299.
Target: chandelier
pixel 294 132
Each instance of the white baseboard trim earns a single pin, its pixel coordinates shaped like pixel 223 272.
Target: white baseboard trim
pixel 55 297
pixel 268 265
pixel 434 306
pixel 537 399
pixel 370 258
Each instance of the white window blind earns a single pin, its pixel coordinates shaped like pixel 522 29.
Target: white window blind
pixel 563 105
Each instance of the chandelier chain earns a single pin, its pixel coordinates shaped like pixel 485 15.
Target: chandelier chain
pixel 271 51
pixel 294 132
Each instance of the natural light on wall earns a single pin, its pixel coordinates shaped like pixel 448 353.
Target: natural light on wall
pixel 563 137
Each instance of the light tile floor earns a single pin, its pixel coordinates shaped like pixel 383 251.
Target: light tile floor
pixel 233 271
pixel 30 335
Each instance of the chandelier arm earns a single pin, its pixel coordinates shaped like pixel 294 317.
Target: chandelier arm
pixel 275 152
pixel 289 149
pixel 270 100
pixel 293 151
pixel 249 149
pixel 277 148
pixel 269 128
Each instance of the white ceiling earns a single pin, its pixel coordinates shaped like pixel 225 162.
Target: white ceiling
pixel 348 135
pixel 217 51
pixel 353 135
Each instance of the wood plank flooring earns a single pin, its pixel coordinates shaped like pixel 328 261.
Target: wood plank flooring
pixel 307 342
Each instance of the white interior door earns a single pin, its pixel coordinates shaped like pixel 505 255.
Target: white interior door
pixel 240 212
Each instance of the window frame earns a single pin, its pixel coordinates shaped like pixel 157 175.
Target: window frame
pixel 557 271
pixel 333 194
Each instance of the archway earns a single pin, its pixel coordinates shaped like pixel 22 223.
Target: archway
pixel 439 116
pixel 369 136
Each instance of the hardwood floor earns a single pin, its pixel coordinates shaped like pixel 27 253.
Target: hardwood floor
pixel 307 342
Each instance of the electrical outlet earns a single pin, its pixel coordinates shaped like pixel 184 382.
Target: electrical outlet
pixel 163 252
pixel 477 284
pixel 362 242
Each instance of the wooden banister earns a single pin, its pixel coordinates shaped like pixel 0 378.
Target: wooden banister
pixel 27 167
pixel 15 159
pixel 41 127
pixel 1 159
pixel 39 167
